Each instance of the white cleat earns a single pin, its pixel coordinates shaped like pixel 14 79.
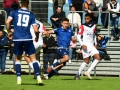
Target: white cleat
pixel 88 75
pixel 69 61
pixel 40 82
pixel 18 82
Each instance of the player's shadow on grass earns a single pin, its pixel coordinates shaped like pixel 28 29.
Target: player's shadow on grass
pixel 92 79
pixel 32 84
pixel 68 79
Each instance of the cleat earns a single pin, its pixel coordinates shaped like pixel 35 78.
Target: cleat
pixel 88 75
pixel 49 69
pixel 44 77
pixel 18 82
pixel 40 82
pixel 77 77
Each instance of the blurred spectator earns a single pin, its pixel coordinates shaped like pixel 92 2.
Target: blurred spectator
pixel 104 15
pixel 101 42
pixel 113 8
pixel 98 3
pixel 48 54
pixel 90 6
pixel 57 17
pixel 2 20
pixel 74 19
pixel 78 5
pixel 12 55
pixel 9 5
pixel 3 51
pixel 72 50
pixel 57 3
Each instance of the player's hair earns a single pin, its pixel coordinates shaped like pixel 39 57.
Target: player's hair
pixel 88 15
pixel 24 3
pixel 59 7
pixel 65 19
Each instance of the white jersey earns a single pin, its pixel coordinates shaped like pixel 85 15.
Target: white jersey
pixel 86 35
pixel 41 29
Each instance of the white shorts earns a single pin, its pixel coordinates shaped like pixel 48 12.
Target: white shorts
pixel 38 46
pixel 91 51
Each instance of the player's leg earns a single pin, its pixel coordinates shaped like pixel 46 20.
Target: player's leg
pixel 30 50
pixel 64 57
pixel 83 65
pixel 27 58
pixel 96 55
pixel 18 50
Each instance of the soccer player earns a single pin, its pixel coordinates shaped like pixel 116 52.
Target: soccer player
pixel 64 35
pixel 87 38
pixel 22 20
pixel 39 43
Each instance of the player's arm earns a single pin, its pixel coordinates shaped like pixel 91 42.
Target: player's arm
pixel 8 24
pixel 36 32
pixel 95 38
pixel 79 37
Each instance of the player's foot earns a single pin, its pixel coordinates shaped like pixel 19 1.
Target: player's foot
pixel 49 69
pixel 77 77
pixel 69 61
pixel 18 82
pixel 40 82
pixel 88 75
pixel 44 77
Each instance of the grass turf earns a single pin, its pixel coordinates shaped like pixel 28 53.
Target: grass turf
pixel 8 82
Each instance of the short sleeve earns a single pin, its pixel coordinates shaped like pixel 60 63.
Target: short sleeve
pixel 11 15
pixel 33 19
pixel 81 30
pixel 55 31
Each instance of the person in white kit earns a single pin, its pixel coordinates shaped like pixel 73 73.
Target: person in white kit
pixel 37 44
pixel 87 38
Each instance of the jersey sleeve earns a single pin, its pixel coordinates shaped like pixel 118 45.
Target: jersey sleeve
pixel 81 30
pixel 33 19
pixel 55 31
pixel 11 15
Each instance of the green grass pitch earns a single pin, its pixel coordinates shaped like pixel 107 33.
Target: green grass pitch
pixel 8 82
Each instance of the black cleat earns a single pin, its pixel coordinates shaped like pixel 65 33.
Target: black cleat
pixel 77 77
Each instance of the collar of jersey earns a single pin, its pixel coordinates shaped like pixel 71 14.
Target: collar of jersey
pixel 64 29
pixel 88 25
pixel 24 8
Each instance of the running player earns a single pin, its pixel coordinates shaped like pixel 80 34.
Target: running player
pixel 37 44
pixel 22 20
pixel 87 39
pixel 64 35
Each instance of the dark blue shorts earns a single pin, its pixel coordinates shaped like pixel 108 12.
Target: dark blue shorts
pixel 27 46
pixel 62 51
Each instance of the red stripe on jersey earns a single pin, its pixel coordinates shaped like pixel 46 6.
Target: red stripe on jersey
pixel 43 28
pixel 95 30
pixel 81 30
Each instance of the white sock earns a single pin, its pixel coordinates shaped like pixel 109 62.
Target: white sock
pixel 38 77
pixel 93 65
pixel 31 65
pixel 82 67
pixel 18 78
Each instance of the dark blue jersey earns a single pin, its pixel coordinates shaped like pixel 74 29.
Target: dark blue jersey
pixel 63 36
pixel 22 20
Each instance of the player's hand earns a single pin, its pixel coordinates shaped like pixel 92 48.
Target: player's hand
pixel 36 39
pixel 84 47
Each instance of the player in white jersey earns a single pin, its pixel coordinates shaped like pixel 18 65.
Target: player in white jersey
pixel 87 39
pixel 39 43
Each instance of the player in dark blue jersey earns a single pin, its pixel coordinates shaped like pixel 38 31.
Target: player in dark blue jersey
pixel 64 35
pixel 22 20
